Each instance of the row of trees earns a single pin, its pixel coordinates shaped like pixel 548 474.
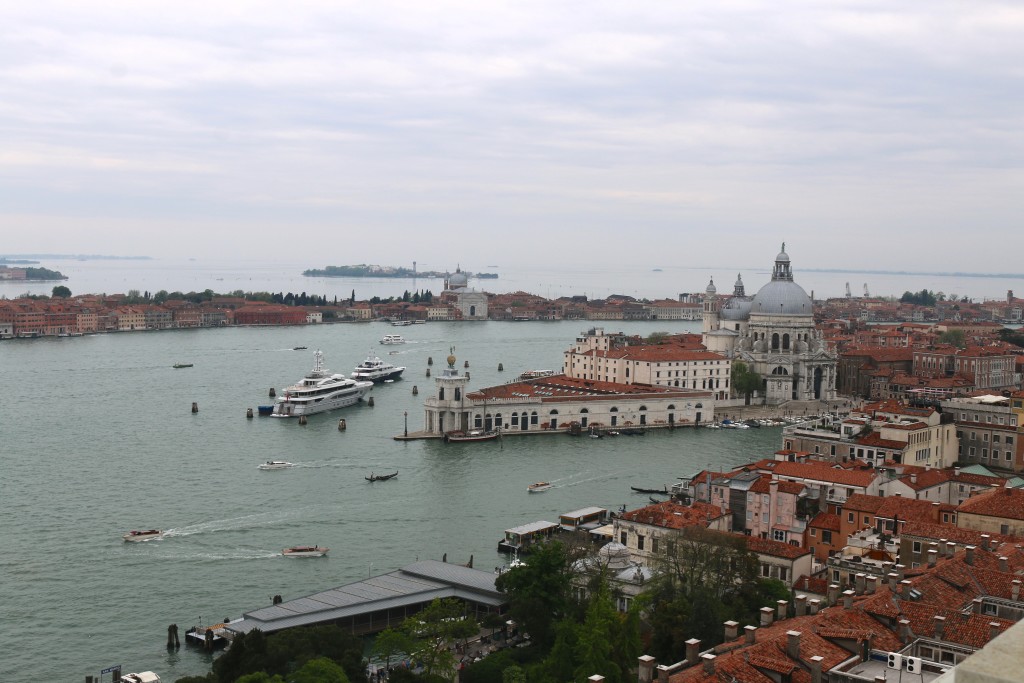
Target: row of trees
pixel 134 296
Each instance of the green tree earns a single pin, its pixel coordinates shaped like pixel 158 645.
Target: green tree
pixel 160 297
pixel 258 677
pixel 596 645
pixel 435 629
pixel 744 380
pixel 539 592
pixel 320 670
pixel 955 337
pixel 390 643
pixel 656 337
pixel 61 292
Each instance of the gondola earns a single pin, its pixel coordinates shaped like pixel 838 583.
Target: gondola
pixel 381 477
pixel 663 492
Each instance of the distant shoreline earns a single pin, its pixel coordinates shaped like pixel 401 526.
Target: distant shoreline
pixel 910 272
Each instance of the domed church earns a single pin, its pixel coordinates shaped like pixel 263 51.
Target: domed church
pixel 773 332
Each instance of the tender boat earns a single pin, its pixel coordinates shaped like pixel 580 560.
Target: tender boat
pixel 392 339
pixel 319 391
pixel 472 435
pixel 298 348
pixel 182 365
pixel 373 369
pixel 140 536
pixel 275 465
pixel 305 551
pixel 538 487
pixel 265 410
pixel 141 677
pixel 381 477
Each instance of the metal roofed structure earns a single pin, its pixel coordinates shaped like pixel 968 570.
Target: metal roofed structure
pixel 380 601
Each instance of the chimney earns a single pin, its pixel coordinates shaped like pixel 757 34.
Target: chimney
pixel 872 583
pixel 940 624
pixel 800 605
pixel 994 629
pixel 732 630
pixel 793 644
pixel 816 661
pixel 933 545
pixel 950 548
pixel 1015 591
pixel 767 614
pixel 976 604
pixel 750 634
pixel 783 609
pixel 833 594
pixel 933 557
pixel 913 478
pixel 709 663
pixel 969 557
pixel 1004 564
pixel 893 578
pixel 985 538
pixel 692 651
pixel 596 679
pixel 904 630
pixel 847 599
pixel 859 583
pixel 815 604
pixel 645 670
pixel 901 570
pixel 904 588
pixel 663 673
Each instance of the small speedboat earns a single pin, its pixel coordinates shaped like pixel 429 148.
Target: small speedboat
pixel 538 487
pixel 140 536
pixel 177 366
pixel 275 465
pixel 305 551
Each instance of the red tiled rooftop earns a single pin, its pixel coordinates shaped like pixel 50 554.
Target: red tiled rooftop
pixel 560 388
pixel 1003 502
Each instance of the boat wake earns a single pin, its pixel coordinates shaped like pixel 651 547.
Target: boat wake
pixel 234 555
pixel 235 523
pixel 609 475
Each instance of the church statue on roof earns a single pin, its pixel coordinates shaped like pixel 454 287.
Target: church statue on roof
pixel 773 332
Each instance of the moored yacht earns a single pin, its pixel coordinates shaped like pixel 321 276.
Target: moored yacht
pixel 318 391
pixel 373 369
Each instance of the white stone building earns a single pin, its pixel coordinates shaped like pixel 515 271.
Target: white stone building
pixel 773 332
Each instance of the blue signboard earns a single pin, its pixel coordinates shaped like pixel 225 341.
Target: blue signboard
pixel 116 667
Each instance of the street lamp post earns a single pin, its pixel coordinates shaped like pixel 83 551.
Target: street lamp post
pixel 405 414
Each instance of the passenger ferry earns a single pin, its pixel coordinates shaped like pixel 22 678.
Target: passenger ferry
pixel 392 339
pixel 319 391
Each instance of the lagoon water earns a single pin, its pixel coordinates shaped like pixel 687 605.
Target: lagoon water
pixel 98 438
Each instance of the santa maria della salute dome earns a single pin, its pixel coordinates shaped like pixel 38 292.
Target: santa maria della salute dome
pixel 773 332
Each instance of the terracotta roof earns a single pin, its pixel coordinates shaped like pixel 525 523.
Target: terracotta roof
pixel 766 546
pixel 819 471
pixel 1003 502
pixel 559 388
pixel 825 520
pixel 669 515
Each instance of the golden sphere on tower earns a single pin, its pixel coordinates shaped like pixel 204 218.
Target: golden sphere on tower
pixel 451 361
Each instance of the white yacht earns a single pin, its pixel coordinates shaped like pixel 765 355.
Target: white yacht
pixel 275 465
pixel 392 339
pixel 373 369
pixel 318 391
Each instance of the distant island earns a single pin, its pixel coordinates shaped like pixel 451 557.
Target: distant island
pixel 21 258
pixel 29 274
pixel 364 270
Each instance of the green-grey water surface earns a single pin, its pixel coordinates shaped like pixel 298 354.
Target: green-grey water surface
pixel 97 438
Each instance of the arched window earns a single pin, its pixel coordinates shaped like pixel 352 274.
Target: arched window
pixel 671 406
pixel 613 409
pixel 553 412
pixel 699 406
pixel 779 370
pixel 497 421
pixel 458 394
pixel 785 342
pixel 643 408
pixel 584 410
pixel 775 342
pixel 515 419
pixel 478 421
pixel 440 394
pixel 533 417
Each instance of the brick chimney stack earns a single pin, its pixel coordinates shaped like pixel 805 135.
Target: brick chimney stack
pixel 767 615
pixel 816 661
pixel 645 669
pixel 709 663
pixel 940 625
pixel 692 651
pixel 750 634
pixel 793 644
pixel 732 630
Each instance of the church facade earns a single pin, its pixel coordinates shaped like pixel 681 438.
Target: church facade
pixel 773 332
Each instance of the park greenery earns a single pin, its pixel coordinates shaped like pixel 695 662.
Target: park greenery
pixel 1015 337
pixel 44 274
pixel 134 297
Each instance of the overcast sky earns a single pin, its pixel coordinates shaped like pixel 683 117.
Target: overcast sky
pixel 865 134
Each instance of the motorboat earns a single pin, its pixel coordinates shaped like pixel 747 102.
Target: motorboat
pixel 392 339
pixel 373 369
pixel 140 536
pixel 472 435
pixel 401 323
pixel 535 374
pixel 298 348
pixel 538 487
pixel 305 551
pixel 319 391
pixel 381 477
pixel 141 677
pixel 275 465
pixel 181 365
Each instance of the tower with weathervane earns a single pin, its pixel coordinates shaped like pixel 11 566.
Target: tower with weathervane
pixel 447 409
